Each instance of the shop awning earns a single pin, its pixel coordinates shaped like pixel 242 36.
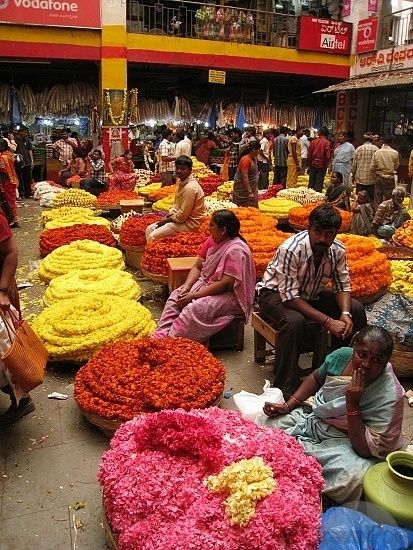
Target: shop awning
pixel 379 80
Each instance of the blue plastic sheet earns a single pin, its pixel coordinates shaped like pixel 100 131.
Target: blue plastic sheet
pixel 350 530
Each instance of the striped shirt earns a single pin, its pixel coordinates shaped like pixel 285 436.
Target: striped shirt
pixel 362 164
pixel 166 149
pixel 292 273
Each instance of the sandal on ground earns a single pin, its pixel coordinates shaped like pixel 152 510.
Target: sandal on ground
pixel 13 413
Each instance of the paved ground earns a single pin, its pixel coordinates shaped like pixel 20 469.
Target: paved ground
pixel 49 460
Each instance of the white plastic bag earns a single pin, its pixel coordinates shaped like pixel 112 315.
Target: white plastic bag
pixel 250 405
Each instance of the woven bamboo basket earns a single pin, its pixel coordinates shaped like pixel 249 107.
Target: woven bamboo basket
pixel 402 359
pixel 155 277
pixel 399 252
pixel 110 537
pixel 133 255
pixel 107 427
pixel 372 298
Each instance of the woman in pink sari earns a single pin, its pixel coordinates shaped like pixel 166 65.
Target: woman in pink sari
pixel 123 173
pixel 218 288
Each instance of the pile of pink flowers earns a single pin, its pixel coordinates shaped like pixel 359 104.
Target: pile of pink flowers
pixel 155 497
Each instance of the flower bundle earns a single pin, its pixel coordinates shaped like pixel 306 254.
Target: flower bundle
pixel 133 230
pixel 114 196
pixel 369 269
pixel 212 204
pixel 155 178
pixel 67 222
pixel 302 195
pixel 50 239
pixel 225 190
pixel 263 245
pixel 298 217
pixel 277 207
pixel 250 219
pixel 157 194
pixel 402 273
pixel 79 255
pixel 199 169
pixel 143 177
pixel 126 379
pixel 72 330
pixel 270 192
pixel 180 245
pixel 165 204
pixel 147 189
pixel 404 234
pixel 74 197
pixel 155 476
pixel 71 213
pixel 111 282
pixel 117 223
pixel 210 184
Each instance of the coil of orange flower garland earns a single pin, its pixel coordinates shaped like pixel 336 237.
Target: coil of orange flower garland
pixel 114 196
pixel 250 219
pixel 404 234
pixel 370 270
pixel 51 239
pixel 156 252
pixel 132 232
pixel 125 379
pixel 298 217
pixel 161 193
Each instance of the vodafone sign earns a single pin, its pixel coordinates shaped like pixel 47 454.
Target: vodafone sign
pixel 59 13
pixel 367 34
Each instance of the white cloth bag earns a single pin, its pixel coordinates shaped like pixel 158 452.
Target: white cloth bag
pixel 250 405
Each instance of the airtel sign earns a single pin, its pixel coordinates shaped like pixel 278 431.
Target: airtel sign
pixel 74 13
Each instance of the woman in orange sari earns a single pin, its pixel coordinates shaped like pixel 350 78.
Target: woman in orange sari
pixel 8 179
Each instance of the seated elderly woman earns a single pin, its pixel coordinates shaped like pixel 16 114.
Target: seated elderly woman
pixel 218 288
pixel 337 193
pixel 356 417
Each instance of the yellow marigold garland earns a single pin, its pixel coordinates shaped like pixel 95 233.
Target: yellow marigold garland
pixel 74 197
pixel 247 481
pixel 79 255
pixel 277 207
pixel 402 272
pixel 72 330
pixel 163 205
pixel 71 212
pixel 404 234
pixel 147 189
pixel 112 282
pixel 66 222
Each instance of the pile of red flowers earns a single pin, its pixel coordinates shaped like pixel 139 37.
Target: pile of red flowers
pixel 210 184
pixel 155 178
pixel 271 192
pixel 125 379
pixel 50 239
pixel 178 246
pixel 132 232
pixel 114 197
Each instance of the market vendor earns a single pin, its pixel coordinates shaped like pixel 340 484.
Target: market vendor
pixel 123 173
pixel 337 192
pixel 356 416
pixel 77 169
pixel 391 214
pixel 294 289
pixel 188 210
pixel 218 288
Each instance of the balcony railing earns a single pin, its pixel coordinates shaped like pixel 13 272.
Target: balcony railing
pixel 396 29
pixel 223 23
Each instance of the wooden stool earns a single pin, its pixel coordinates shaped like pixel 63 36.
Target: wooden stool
pixel 132 204
pixel 178 269
pixel 230 337
pixel 264 333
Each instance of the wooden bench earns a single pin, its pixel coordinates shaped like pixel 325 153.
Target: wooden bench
pixel 178 269
pixel 230 337
pixel 265 334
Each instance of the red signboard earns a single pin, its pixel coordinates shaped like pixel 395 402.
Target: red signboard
pixel 372 6
pixel 346 8
pixel 59 13
pixel 367 35
pixel 325 35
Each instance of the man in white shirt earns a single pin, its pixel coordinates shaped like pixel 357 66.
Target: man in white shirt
pixel 64 148
pixel 264 160
pixel 304 150
pixel 167 158
pixel 182 146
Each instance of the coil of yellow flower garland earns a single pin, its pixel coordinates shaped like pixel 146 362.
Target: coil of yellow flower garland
pixel 277 207
pixel 79 255
pixel 147 189
pixel 75 197
pixel 112 282
pixel 66 222
pixel 72 330
pixel 402 272
pixel 163 205
pixel 70 212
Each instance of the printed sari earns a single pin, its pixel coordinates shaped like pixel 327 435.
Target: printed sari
pixel 123 177
pixel 203 317
pixel 324 431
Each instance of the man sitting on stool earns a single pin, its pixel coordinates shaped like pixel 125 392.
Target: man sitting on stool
pixel 293 290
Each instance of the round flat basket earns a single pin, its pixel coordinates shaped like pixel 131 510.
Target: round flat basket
pixel 133 255
pixel 155 277
pixel 110 537
pixel 373 298
pixel 398 252
pixel 108 427
pixel 402 359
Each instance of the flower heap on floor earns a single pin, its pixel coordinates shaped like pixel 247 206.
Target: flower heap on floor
pixel 402 273
pixel 207 480
pixel 404 234
pixel 161 193
pixel 277 207
pixel 132 232
pixel 50 239
pixel 302 195
pixel 114 196
pixel 74 197
pixel 125 379
pixel 299 217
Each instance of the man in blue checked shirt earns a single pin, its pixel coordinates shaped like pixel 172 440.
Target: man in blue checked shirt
pixel 294 290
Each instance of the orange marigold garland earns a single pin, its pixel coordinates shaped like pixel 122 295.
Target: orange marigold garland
pixel 132 232
pixel 161 193
pixel 370 270
pixel 404 234
pixel 114 196
pixel 50 239
pixel 298 217
pixel 183 244
pixel 125 379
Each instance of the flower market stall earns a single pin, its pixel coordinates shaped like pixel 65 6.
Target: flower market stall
pixel 50 239
pixel 111 199
pixel 209 479
pixel 74 197
pixel 298 217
